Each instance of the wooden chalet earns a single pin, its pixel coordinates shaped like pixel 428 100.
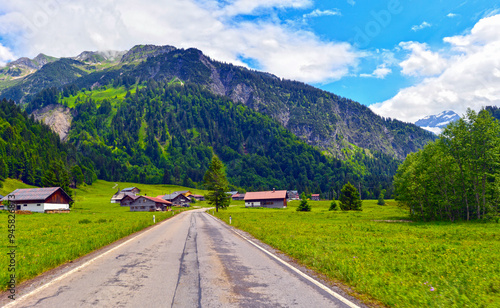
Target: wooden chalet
pixel 149 204
pixel 315 197
pixel 40 200
pixel 238 196
pixel 270 199
pixel 197 197
pixel 129 191
pixel 128 199
pixel 177 198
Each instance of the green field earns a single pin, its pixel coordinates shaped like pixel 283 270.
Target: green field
pixel 45 241
pixel 400 264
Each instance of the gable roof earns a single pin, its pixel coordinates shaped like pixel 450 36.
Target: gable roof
pixel 28 194
pixel 129 189
pixel 158 200
pixel 261 195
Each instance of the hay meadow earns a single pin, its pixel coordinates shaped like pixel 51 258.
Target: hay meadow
pixel 383 257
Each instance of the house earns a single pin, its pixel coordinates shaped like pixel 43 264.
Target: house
pixel 197 197
pixel 149 204
pixel 293 195
pixel 133 190
pixel 41 200
pixel 122 193
pixel 315 197
pixel 238 196
pixel 231 193
pixel 177 198
pixel 128 199
pixel 1 204
pixel 270 199
pixel 186 193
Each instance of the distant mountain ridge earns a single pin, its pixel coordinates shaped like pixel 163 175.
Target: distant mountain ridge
pixel 435 123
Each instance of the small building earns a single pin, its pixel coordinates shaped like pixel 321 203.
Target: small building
pixel 197 197
pixel 238 196
pixel 128 199
pixel 186 193
pixel 133 190
pixel 40 200
pixel 177 198
pixel 315 197
pixel 231 193
pixel 149 204
pixel 270 199
pixel 118 197
pixel 293 195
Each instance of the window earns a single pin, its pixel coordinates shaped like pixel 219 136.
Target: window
pixel 25 205
pixel 38 204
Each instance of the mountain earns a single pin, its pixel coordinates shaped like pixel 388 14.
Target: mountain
pixel 435 123
pixel 336 125
pixel 157 115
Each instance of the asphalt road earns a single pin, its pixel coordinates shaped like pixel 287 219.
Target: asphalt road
pixel 191 260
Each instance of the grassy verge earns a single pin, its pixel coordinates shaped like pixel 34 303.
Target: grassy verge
pixel 401 264
pixel 45 241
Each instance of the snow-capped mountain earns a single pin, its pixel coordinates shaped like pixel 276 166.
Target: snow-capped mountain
pixel 436 123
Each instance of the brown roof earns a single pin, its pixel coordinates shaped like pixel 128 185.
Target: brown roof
pixel 158 200
pixel 28 194
pixel 260 195
pixel 314 195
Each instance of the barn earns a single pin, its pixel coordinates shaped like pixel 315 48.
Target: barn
pixel 270 199
pixel 149 204
pixel 41 200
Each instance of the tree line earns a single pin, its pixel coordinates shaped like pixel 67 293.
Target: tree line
pixel 456 177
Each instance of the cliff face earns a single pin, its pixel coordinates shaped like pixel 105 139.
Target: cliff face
pixel 57 117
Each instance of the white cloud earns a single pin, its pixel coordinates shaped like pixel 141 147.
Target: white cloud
pixel 451 15
pixel 69 27
pixel 318 13
pixel 5 55
pixel 380 72
pixel 421 61
pixel 351 2
pixel 245 7
pixel 421 26
pixel 471 78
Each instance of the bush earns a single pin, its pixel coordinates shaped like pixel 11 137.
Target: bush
pixel 334 206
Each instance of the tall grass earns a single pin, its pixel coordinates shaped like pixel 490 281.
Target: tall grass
pixel 401 264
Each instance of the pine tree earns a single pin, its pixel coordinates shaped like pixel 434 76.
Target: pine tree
pixel 304 206
pixel 349 198
pixel 216 182
pixel 381 200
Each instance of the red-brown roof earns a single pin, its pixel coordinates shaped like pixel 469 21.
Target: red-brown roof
pixel 158 200
pixel 315 195
pixel 261 195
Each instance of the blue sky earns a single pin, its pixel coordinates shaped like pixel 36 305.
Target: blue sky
pixel 404 59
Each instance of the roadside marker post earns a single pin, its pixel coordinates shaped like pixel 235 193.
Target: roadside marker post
pixel 154 220
pixel 230 219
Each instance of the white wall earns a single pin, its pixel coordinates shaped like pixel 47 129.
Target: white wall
pixel 34 207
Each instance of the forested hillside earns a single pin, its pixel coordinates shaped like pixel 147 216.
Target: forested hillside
pixel 31 152
pixel 165 133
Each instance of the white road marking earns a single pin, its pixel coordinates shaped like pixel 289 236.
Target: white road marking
pixel 57 279
pixel 309 278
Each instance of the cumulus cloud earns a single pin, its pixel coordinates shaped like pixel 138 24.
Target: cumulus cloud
pixel 421 26
pixel 451 15
pixel 68 27
pixel 421 61
pixel 470 79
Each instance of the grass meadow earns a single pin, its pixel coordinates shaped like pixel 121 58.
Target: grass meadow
pixel 382 258
pixel 45 241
